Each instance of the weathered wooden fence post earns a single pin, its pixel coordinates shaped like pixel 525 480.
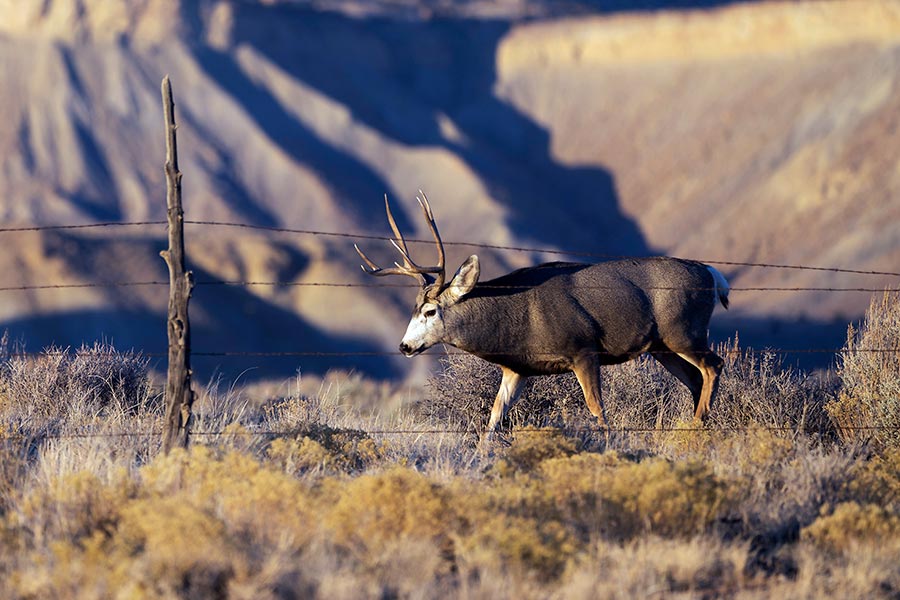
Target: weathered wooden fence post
pixel 179 395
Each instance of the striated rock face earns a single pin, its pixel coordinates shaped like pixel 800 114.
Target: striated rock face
pixel 92 20
pixel 756 131
pixel 752 133
pixel 739 31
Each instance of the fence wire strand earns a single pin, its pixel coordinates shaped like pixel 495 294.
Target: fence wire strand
pixel 359 236
pixel 441 353
pixel 486 246
pixel 345 354
pixel 81 226
pixel 301 431
pixel 328 284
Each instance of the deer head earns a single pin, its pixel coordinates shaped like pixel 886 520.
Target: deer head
pixel 426 327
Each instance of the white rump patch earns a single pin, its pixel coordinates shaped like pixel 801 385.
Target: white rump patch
pixel 720 286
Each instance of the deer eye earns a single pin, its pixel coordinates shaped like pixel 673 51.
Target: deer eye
pixel 429 312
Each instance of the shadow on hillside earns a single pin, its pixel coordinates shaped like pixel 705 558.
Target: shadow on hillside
pixel 347 177
pixel 235 321
pixel 270 342
pixel 235 333
pixel 611 6
pixel 803 343
pixel 430 83
pixel 252 330
pixel 407 79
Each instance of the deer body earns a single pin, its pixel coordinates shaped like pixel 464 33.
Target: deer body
pixel 617 310
pixel 560 317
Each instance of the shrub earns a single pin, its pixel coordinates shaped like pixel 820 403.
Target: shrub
pixel 641 394
pixel 238 489
pixel 676 500
pixel 876 480
pixel 517 546
pixel 530 447
pixel 70 507
pixel 535 522
pixel 323 449
pixel 869 369
pixel 192 524
pixel 851 523
pixel 656 496
pixel 460 397
pixel 636 394
pixel 755 390
pixel 375 511
pixel 58 388
pixel 184 549
pixel 697 568
pixel 341 400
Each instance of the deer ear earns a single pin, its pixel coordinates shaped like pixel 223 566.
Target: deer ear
pixel 465 279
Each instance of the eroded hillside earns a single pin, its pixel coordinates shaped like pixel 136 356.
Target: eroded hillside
pixel 752 133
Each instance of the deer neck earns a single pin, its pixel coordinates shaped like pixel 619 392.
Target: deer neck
pixel 478 325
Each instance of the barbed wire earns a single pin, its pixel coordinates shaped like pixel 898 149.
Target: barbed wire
pixel 439 352
pixel 527 249
pixel 386 353
pixel 486 246
pixel 525 287
pixel 305 431
pixel 344 354
pixel 81 226
pixel 433 352
pixel 327 284
pixel 74 286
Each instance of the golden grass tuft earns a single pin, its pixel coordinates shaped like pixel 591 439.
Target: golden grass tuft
pixel 868 406
pixel 850 525
pixel 376 510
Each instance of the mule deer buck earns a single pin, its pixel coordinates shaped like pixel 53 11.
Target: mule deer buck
pixel 559 317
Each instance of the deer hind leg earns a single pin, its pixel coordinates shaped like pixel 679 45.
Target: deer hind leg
pixel 684 371
pixel 710 366
pixel 510 386
pixel 587 371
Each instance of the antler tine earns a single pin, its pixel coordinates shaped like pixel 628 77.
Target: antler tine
pixel 372 266
pixel 400 243
pixel 374 269
pixel 429 217
pixel 401 248
pixel 408 267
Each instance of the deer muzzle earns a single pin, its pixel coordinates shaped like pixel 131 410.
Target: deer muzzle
pixel 409 350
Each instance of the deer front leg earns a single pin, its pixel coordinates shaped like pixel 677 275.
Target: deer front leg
pixel 587 371
pixel 510 386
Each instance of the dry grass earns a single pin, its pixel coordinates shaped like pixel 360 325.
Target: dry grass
pixel 869 370
pixel 757 390
pixel 311 495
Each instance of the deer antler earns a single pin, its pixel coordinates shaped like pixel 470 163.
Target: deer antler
pixel 429 217
pixel 409 267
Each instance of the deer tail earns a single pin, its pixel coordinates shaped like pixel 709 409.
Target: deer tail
pixel 720 286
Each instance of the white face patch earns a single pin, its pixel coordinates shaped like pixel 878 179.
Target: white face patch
pixel 424 331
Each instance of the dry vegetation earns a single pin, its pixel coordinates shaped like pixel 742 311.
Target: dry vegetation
pixel 312 496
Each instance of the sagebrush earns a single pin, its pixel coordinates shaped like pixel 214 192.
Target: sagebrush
pixel 756 389
pixel 319 495
pixel 868 407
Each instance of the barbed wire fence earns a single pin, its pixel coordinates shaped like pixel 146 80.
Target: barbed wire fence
pixel 191 223
pixel 238 353
pixel 376 285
